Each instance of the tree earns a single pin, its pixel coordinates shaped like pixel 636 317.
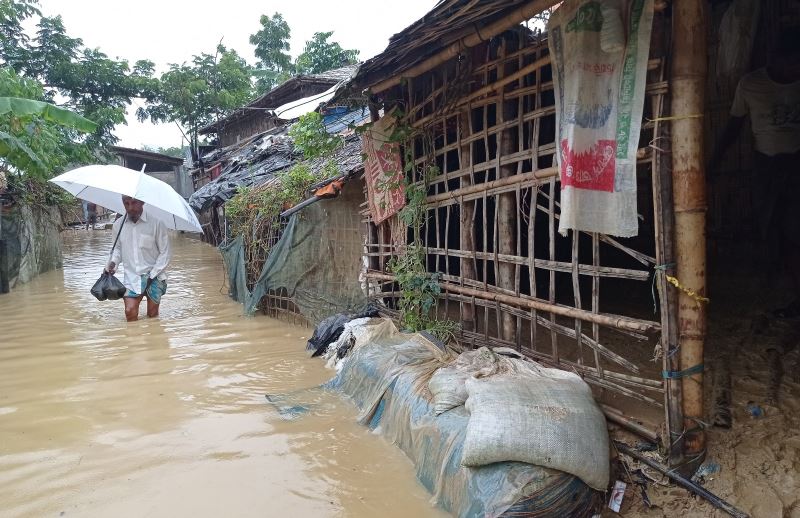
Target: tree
pixel 94 85
pixel 13 39
pixel 198 93
pixel 272 45
pixel 174 151
pixel 36 137
pixel 319 55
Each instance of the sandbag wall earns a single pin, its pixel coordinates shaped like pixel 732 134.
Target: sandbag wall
pixel 386 374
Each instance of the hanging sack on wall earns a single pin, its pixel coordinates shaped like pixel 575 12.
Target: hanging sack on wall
pixel 108 287
pixel 599 50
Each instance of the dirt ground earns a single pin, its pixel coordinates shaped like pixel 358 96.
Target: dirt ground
pixel 759 456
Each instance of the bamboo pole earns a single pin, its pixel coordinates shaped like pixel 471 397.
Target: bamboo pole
pixel 615 416
pixel 505 211
pixel 466 215
pixel 624 323
pixel 519 15
pixel 688 84
pixel 664 222
pixel 540 174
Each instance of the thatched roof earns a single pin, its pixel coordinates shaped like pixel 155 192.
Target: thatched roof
pixel 445 29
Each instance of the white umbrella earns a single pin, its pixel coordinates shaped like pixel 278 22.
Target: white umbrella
pixel 105 185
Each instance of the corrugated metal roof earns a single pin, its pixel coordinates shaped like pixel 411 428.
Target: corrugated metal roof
pixel 339 119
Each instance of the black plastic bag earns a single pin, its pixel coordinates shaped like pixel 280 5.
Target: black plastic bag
pixel 108 287
pixel 327 332
pixel 330 329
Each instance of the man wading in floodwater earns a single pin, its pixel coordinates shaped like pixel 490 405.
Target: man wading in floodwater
pixel 144 248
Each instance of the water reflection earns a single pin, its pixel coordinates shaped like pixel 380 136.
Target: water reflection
pixel 167 417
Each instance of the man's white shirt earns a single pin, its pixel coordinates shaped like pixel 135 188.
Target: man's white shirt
pixel 144 248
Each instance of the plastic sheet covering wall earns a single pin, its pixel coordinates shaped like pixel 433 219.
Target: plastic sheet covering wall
pixel 317 261
pixel 386 375
pixel 29 243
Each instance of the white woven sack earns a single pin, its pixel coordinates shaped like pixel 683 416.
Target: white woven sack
pixel 447 383
pixel 448 389
pixel 540 420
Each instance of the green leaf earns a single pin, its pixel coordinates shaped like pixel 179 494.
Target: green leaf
pixel 19 107
pixel 18 153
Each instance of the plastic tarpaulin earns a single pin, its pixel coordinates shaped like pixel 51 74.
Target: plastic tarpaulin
pixel 599 73
pixel 386 376
pixel 312 261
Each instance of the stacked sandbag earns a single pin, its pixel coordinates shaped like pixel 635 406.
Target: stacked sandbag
pixel 547 419
pixel 525 412
pixel 385 374
pixel 447 385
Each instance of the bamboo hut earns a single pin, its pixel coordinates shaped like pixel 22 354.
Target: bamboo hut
pixel 474 81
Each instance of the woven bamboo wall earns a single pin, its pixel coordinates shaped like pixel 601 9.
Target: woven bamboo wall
pixel 582 302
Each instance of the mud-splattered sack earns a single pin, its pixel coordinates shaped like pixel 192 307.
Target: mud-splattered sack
pixel 549 421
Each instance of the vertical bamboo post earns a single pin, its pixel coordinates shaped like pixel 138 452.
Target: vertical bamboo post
pixel 505 214
pixel 466 215
pixel 664 225
pixel 688 174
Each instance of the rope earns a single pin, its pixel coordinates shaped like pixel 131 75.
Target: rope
pixel 676 117
pixel 658 268
pixel 690 292
pixel 696 369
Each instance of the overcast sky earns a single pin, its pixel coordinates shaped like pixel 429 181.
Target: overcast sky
pixel 171 31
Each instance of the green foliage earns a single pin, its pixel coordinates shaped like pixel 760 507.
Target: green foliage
pixel 271 48
pixel 14 41
pixel 320 55
pixel 92 84
pixel 266 202
pixel 254 213
pixel 419 289
pixel 36 138
pixel 21 108
pixel 174 151
pixel 197 93
pixel 311 138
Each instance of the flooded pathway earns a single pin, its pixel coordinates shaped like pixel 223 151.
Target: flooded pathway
pixel 168 417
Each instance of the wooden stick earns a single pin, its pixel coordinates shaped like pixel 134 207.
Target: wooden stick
pixel 570 333
pixel 682 481
pixel 501 82
pixel 505 207
pixel 616 417
pixel 664 227
pixel 467 214
pixel 551 244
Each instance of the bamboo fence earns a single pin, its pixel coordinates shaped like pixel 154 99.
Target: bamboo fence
pixel 487 114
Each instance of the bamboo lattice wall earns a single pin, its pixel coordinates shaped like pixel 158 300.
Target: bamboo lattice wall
pixel 487 120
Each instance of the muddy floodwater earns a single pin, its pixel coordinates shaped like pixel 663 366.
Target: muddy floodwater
pixel 168 417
